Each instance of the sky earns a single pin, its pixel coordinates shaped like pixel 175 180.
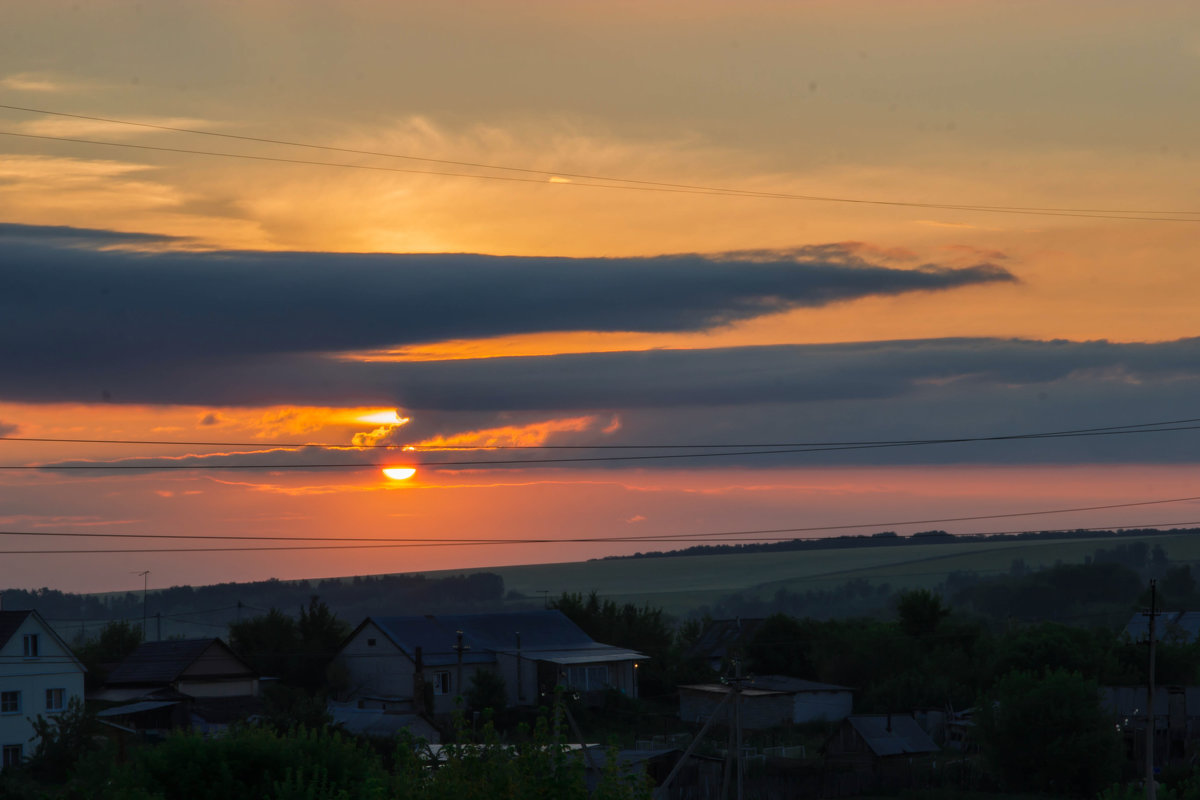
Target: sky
pixel 252 253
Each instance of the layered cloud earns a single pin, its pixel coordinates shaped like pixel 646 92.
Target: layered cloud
pixel 877 391
pixel 126 313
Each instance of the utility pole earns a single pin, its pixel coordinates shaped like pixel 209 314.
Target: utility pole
pixel 737 684
pixel 661 792
pixel 145 585
pixel 1152 614
pixel 458 648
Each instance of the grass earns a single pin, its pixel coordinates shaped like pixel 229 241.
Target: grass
pixel 681 584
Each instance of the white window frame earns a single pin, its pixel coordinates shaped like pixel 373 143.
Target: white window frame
pixel 56 694
pixel 589 677
pixel 10 750
pixel 30 645
pixel 441 682
pixel 10 696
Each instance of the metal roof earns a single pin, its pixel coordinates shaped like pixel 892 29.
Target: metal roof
pixel 435 639
pixel 10 622
pixel 892 734
pixel 597 653
pixel 1170 623
pixel 551 630
pixel 136 708
pixel 543 636
pixel 163 662
pixel 771 684
pixel 786 683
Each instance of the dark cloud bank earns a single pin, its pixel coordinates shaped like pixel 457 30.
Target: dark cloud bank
pixel 85 323
pixel 67 304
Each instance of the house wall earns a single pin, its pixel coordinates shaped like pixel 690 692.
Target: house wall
pixel 215 661
pixel 384 670
pixel 758 712
pixel 448 702
pixel 525 688
pixel 53 668
pixel 830 706
pixel 379 670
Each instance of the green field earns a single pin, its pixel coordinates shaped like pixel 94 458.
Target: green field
pixel 680 584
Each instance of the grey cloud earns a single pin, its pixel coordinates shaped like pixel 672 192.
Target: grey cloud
pixel 85 238
pixel 624 380
pixel 7 429
pixel 127 312
pixel 817 393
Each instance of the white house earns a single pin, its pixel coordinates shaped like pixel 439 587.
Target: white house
pixel 389 661
pixel 39 675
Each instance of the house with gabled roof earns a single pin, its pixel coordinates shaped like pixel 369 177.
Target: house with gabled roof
pixel 723 640
pixel 39 676
pixel 180 683
pixel 389 661
pixel 191 667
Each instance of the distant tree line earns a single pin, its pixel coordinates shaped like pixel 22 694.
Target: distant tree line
pixel 892 539
pixel 225 602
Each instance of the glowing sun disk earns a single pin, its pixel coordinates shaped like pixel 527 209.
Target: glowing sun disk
pixel 399 473
pixel 386 417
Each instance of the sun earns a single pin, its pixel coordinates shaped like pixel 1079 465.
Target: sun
pixel 399 473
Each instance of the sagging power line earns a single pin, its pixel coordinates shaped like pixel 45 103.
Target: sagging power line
pixel 1132 427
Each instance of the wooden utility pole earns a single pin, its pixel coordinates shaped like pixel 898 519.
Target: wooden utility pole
pixel 1152 613
pixel 662 790
pixel 459 647
pixel 145 587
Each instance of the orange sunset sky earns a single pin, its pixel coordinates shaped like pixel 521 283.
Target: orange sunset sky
pixel 576 225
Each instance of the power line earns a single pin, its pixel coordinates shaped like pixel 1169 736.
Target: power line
pixel 582 176
pixel 418 447
pixel 1137 216
pixel 158 466
pixel 677 537
pixel 394 546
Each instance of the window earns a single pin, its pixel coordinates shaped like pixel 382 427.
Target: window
pixel 31 645
pixel 370 642
pixel 441 683
pixel 54 699
pixel 12 755
pixel 10 702
pixel 588 679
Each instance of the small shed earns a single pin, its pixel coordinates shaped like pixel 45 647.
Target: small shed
pixel 769 701
pixel 873 752
pixel 870 738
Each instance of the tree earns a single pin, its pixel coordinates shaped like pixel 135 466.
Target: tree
pixel 116 641
pixel 642 628
pixel 1048 733
pixel 297 652
pixel 487 691
pixel 780 646
pixel 62 740
pixel 920 611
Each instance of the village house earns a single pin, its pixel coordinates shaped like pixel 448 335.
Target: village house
pixel 768 701
pixel 183 683
pixel 872 750
pixel 390 661
pixel 39 676
pixel 724 640
pixel 1176 721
